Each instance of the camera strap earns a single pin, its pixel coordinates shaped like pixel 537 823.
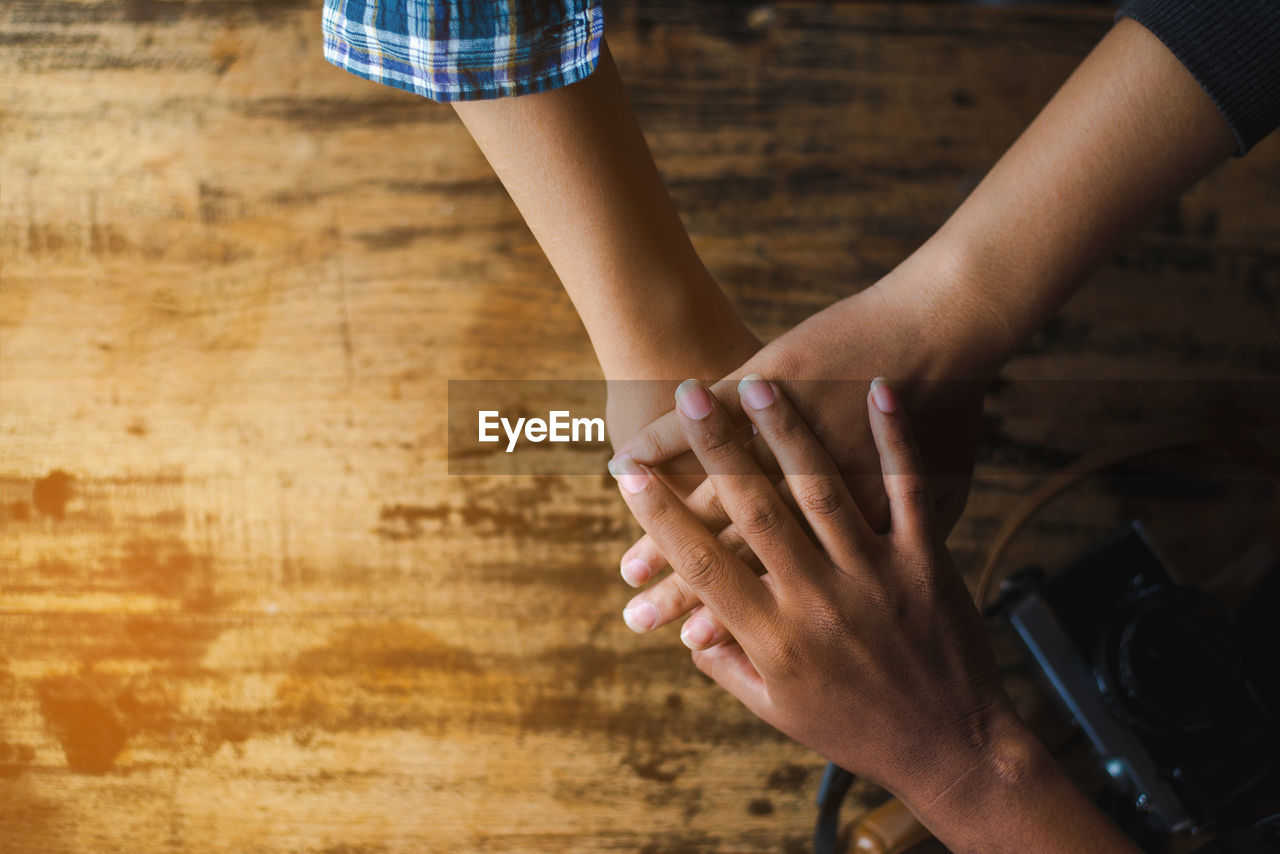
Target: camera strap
pixel 831 791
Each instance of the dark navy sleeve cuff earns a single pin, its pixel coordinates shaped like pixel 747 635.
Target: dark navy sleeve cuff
pixel 1232 47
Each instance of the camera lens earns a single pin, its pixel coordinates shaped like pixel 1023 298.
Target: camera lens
pixel 1169 662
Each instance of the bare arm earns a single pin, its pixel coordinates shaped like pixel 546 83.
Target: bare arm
pixel 577 166
pixel 864 647
pixel 1127 133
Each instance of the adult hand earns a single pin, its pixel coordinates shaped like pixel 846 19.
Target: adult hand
pixel 863 646
pixel 902 327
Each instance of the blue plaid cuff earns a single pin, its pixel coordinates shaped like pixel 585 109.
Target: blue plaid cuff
pixel 465 50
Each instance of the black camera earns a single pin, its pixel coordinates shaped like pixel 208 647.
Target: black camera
pixel 1177 694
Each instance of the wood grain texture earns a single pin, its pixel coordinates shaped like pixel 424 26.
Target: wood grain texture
pixel 243 607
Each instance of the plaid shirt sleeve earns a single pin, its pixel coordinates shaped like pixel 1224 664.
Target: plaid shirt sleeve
pixel 465 50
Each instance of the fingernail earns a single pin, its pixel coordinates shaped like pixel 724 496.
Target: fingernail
pixel 635 572
pixel 697 633
pixel 631 476
pixel 755 391
pixel 883 396
pixel 693 399
pixel 640 616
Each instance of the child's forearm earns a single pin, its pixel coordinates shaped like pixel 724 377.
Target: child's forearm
pixel 578 168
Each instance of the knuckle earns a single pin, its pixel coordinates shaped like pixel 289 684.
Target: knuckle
pixel 701 564
pixel 822 497
pixel 759 516
pixel 718 447
pixel 787 655
pixel 913 490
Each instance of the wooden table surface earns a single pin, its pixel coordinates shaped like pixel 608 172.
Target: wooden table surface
pixel 243 606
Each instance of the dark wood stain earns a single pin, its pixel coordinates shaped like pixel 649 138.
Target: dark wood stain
pixel 51 493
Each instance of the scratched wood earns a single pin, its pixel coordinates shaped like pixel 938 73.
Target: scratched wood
pixel 243 607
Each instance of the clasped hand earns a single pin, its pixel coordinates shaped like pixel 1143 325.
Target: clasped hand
pixel 863 646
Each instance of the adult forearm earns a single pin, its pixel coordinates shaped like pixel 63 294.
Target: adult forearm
pixel 1128 132
pixel 577 166
pixel 1016 799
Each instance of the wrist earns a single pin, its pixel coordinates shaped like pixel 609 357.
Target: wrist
pixel 963 331
pixel 1014 797
pixel 975 781
pixel 670 331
